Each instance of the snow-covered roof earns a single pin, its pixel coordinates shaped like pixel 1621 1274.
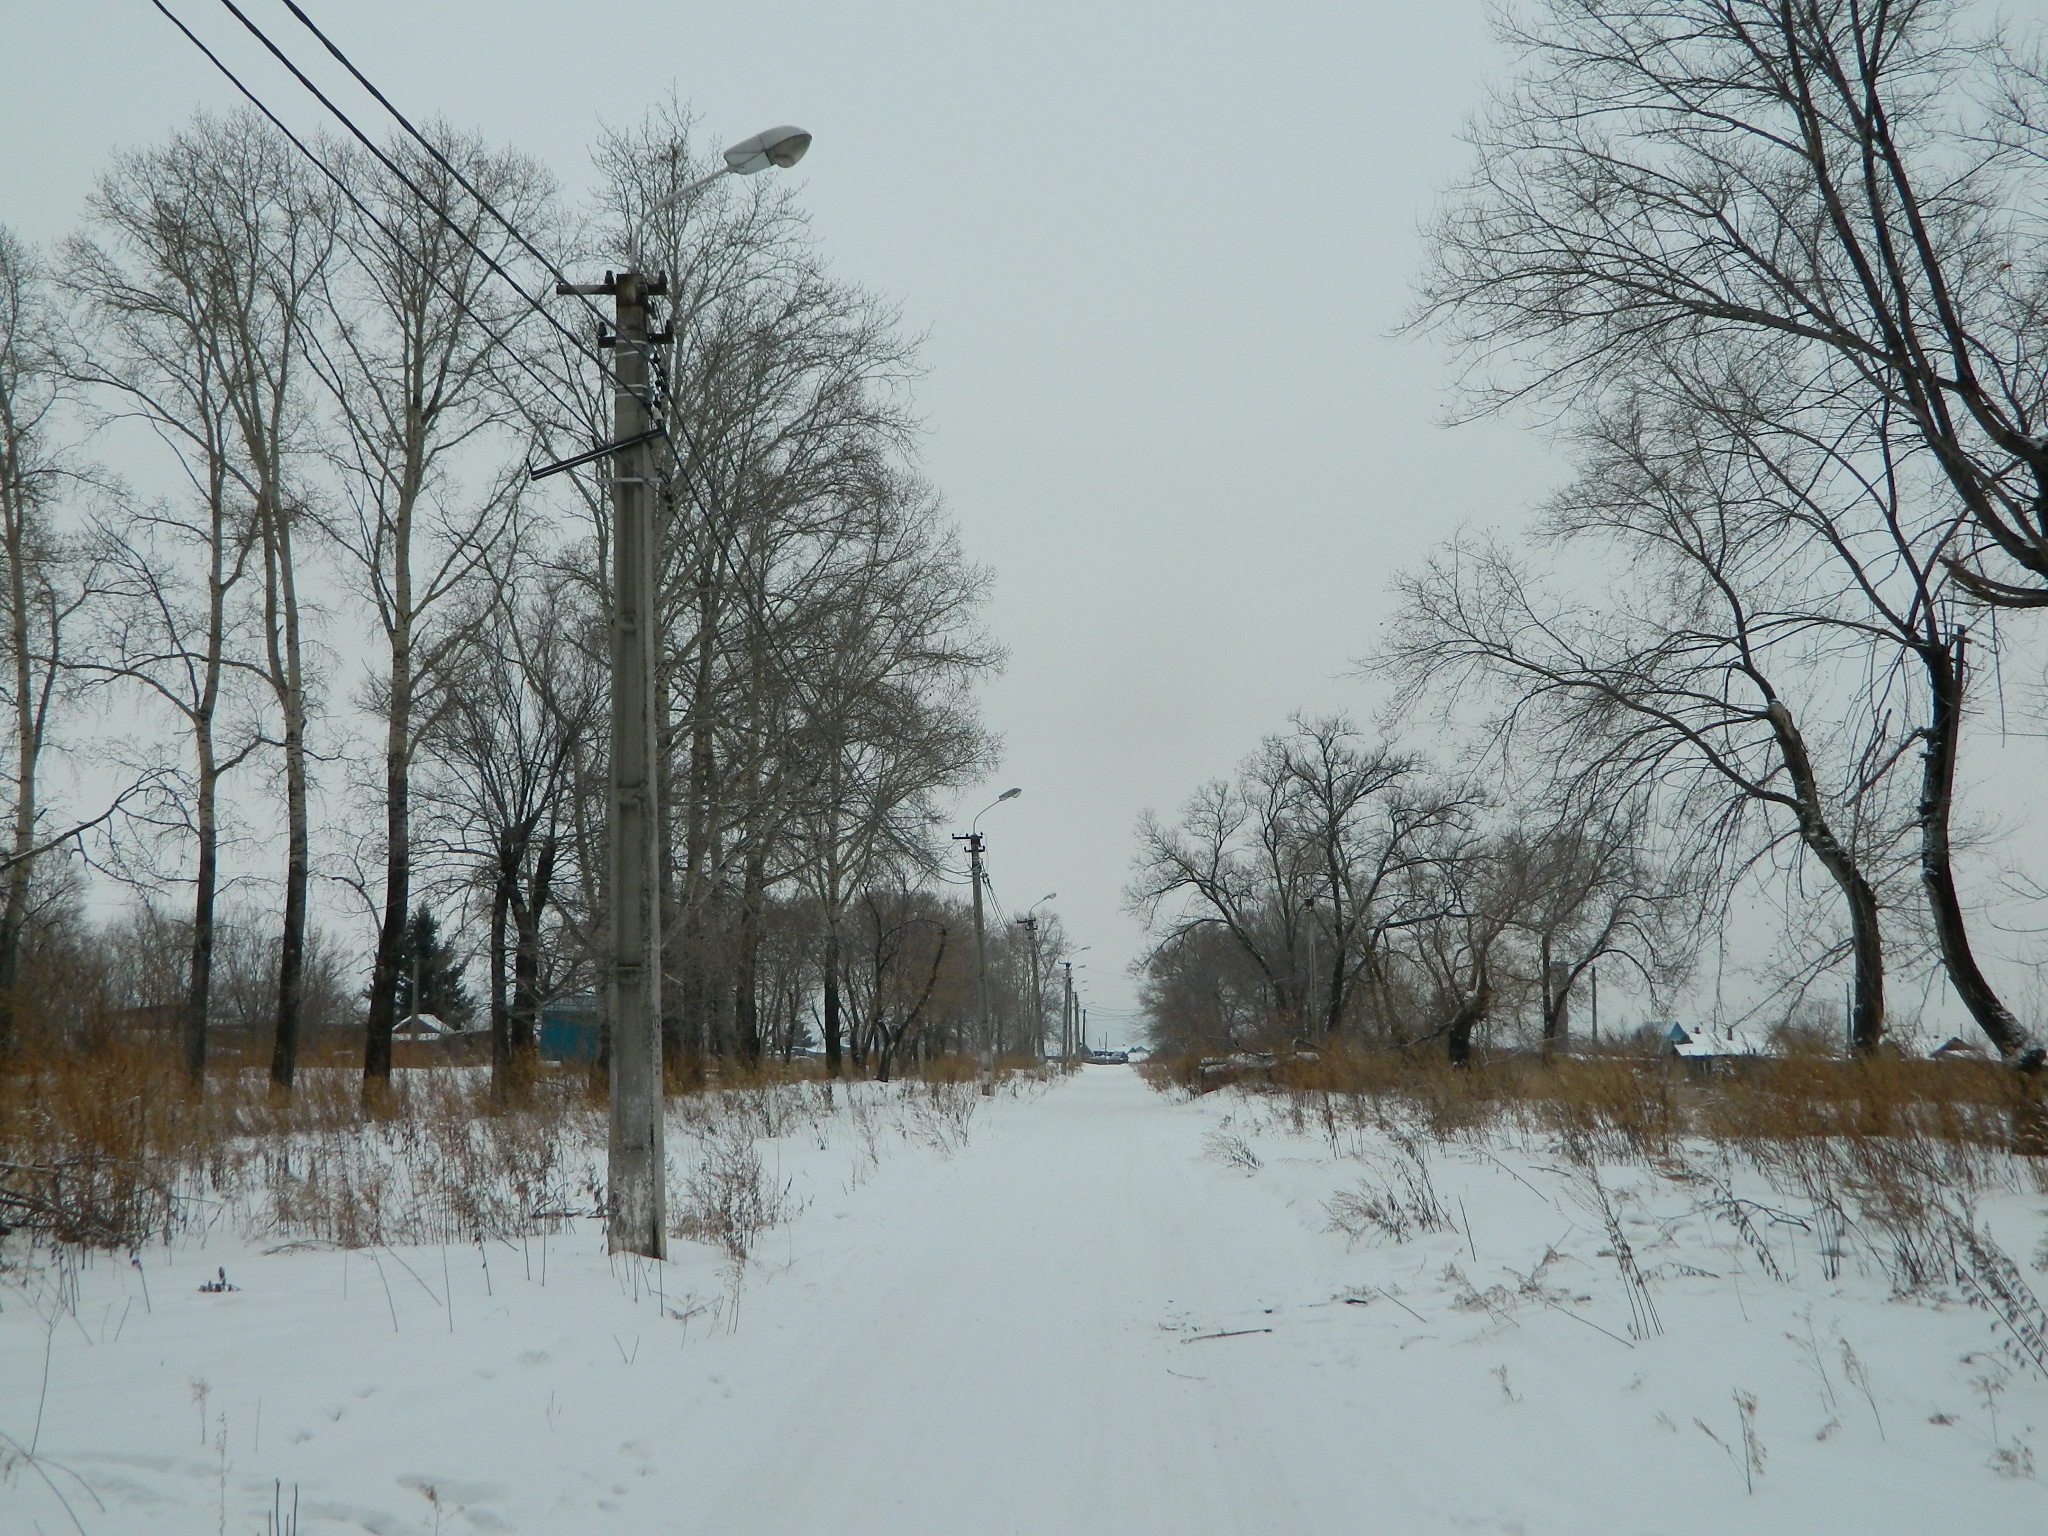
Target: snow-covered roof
pixel 426 1024
pixel 1721 1040
pixel 1956 1048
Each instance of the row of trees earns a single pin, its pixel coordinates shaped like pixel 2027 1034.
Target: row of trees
pixel 266 430
pixel 1336 883
pixel 1775 272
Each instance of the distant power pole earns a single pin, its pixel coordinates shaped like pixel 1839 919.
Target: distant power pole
pixel 987 1043
pixel 1067 1011
pixel 636 1185
pixel 1036 1034
pixel 1594 976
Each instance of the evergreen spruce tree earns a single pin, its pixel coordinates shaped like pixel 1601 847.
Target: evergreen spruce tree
pixel 429 975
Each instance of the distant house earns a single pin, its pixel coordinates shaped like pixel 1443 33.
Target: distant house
pixel 1708 1052
pixel 426 1028
pixel 1958 1049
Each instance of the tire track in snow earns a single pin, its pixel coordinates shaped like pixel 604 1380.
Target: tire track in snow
pixel 1006 1363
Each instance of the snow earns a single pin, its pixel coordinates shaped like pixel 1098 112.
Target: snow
pixel 1092 1308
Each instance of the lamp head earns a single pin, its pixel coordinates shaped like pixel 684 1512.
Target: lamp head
pixel 1009 794
pixel 780 147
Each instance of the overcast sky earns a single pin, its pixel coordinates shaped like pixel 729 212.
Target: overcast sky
pixel 1159 251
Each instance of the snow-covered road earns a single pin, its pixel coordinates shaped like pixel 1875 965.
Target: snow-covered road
pixel 1017 1347
pixel 1110 1312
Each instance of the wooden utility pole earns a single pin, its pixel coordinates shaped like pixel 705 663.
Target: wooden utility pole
pixel 636 1192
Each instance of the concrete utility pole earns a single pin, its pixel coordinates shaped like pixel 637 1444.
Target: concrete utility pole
pixel 987 1042
pixel 972 838
pixel 1067 1011
pixel 636 1185
pixel 1035 1036
pixel 636 1182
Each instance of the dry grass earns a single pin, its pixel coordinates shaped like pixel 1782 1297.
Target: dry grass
pixel 115 1147
pixel 1633 1105
pixel 1886 1157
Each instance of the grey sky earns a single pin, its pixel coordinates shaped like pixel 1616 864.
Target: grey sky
pixel 1158 249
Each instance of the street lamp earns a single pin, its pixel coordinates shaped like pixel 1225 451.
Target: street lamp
pixel 777 147
pixel 636 1160
pixel 972 838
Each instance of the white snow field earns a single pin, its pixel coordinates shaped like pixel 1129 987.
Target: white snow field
pixel 1099 1309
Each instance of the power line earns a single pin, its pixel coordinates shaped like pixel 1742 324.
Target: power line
pixel 442 160
pixel 535 302
pixel 483 202
pixel 346 191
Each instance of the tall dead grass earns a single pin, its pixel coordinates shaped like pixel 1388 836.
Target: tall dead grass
pixel 1886 1157
pixel 114 1147
pixel 1629 1104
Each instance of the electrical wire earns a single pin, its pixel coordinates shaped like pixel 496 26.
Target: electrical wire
pixel 656 370
pixel 348 192
pixel 535 302
pixel 434 150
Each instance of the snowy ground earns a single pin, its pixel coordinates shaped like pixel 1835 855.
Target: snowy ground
pixel 1097 1309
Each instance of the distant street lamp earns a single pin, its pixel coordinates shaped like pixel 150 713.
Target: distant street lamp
pixel 972 838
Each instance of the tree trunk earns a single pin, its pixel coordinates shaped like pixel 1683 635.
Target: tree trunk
pixel 1471 1014
pixel 1944 668
pixel 1556 989
pixel 291 960
pixel 383 1013
pixel 27 744
pixel 528 914
pixel 832 1016
pixel 747 980
pixel 1945 681
pixel 205 880
pixel 504 892
pixel 1866 944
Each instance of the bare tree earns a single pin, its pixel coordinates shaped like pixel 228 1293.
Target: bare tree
pixel 1365 816
pixel 1869 527
pixel 1463 903
pixel 1682 685
pixel 409 353
pixel 1852 187
pixel 916 975
pixel 1234 862
pixel 817 616
pixel 1589 889
pixel 46 587
pixel 883 672
pixel 509 748
pixel 199 302
pixel 1305 859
